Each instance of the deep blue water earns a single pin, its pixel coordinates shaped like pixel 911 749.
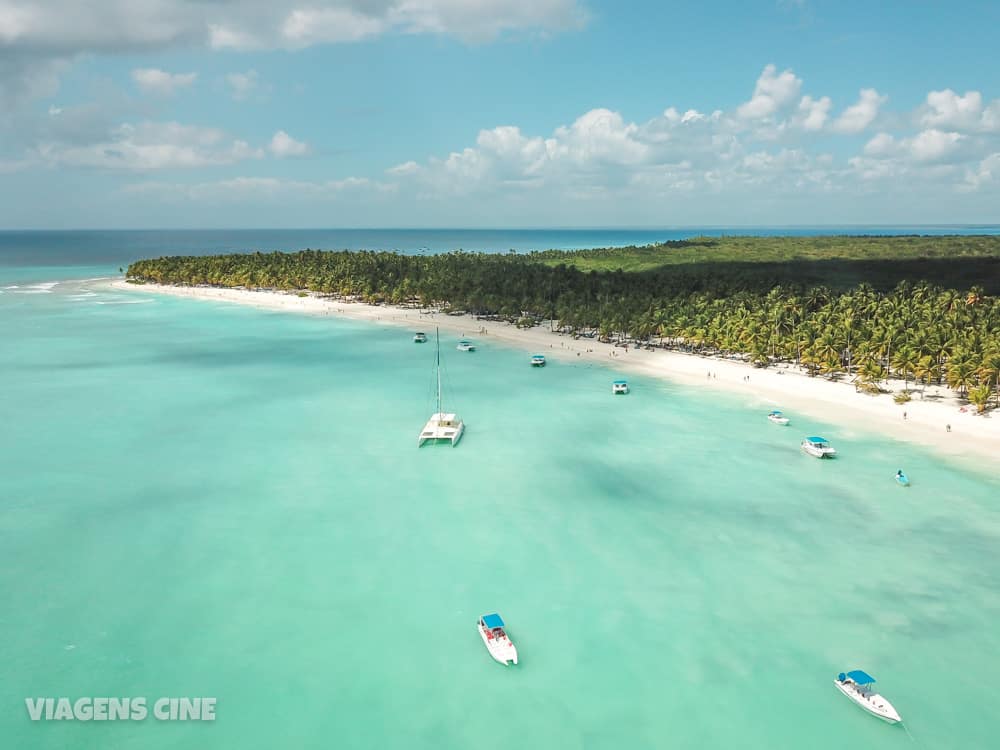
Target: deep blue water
pixel 102 248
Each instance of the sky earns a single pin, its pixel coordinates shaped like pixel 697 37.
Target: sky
pixel 497 113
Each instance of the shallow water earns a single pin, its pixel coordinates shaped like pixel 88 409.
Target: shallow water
pixel 200 499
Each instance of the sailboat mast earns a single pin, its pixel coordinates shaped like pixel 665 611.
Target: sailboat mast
pixel 437 333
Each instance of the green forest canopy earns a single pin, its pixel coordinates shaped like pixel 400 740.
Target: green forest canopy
pixel 917 307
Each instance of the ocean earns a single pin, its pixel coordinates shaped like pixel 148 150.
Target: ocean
pixel 210 500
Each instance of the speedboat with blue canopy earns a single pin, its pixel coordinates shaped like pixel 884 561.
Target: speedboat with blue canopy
pixel 777 417
pixel 857 685
pixel 491 629
pixel 818 447
pixel 619 386
pixel 538 360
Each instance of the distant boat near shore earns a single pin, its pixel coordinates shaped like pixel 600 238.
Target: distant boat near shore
pixel 537 360
pixel 901 479
pixel 619 387
pixel 420 338
pixel 466 346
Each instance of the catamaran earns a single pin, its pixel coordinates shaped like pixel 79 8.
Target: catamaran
pixel 419 338
pixel 857 685
pixel 538 360
pixel 777 417
pixel 491 630
pixel 441 426
pixel 818 447
pixel 619 386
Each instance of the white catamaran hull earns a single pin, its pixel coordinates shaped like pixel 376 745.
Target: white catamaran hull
pixel 779 420
pixel 812 450
pixel 870 701
pixel 500 648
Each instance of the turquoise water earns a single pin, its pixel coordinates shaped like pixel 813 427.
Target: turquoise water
pixel 207 500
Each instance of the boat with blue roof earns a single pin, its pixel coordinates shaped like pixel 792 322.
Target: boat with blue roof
pixel 857 685
pixel 501 648
pixel 619 386
pixel 901 479
pixel 538 360
pixel 777 417
pixel 819 447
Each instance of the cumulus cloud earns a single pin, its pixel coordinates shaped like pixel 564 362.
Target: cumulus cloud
pixel 150 146
pixel 946 109
pixel 39 38
pixel 813 113
pixel 773 92
pixel 156 81
pixel 857 117
pixel 283 145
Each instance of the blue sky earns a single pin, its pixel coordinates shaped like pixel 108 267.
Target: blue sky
pixel 180 113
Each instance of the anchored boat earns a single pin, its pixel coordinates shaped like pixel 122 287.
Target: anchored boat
pixel 857 685
pixel 441 426
pixel 902 479
pixel 537 360
pixel 818 447
pixel 491 629
pixel 466 346
pixel 619 386
pixel 420 338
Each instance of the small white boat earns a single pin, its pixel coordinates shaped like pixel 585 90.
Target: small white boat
pixel 857 685
pixel 441 426
pixel 420 338
pixel 619 386
pixel 466 346
pixel 491 630
pixel 777 417
pixel 818 447
pixel 537 360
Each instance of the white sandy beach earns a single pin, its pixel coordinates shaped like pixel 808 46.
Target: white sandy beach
pixel 926 421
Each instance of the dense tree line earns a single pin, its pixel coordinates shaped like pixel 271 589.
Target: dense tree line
pixel 917 331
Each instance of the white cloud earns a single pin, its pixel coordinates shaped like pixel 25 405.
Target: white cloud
pixel 151 146
pixel 243 84
pixel 946 109
pixel 406 168
pixel 240 189
pixel 932 145
pixel 308 26
pixel 156 81
pixel 773 92
pixel 813 113
pixel 857 117
pixel 283 145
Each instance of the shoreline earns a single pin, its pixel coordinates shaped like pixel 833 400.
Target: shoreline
pixel 926 420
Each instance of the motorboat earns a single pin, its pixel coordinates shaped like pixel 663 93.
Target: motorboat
pixel 466 346
pixel 619 386
pixel 857 685
pixel 420 338
pixel 537 360
pixel 777 417
pixel 491 630
pixel 901 479
pixel 441 426
pixel 818 447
